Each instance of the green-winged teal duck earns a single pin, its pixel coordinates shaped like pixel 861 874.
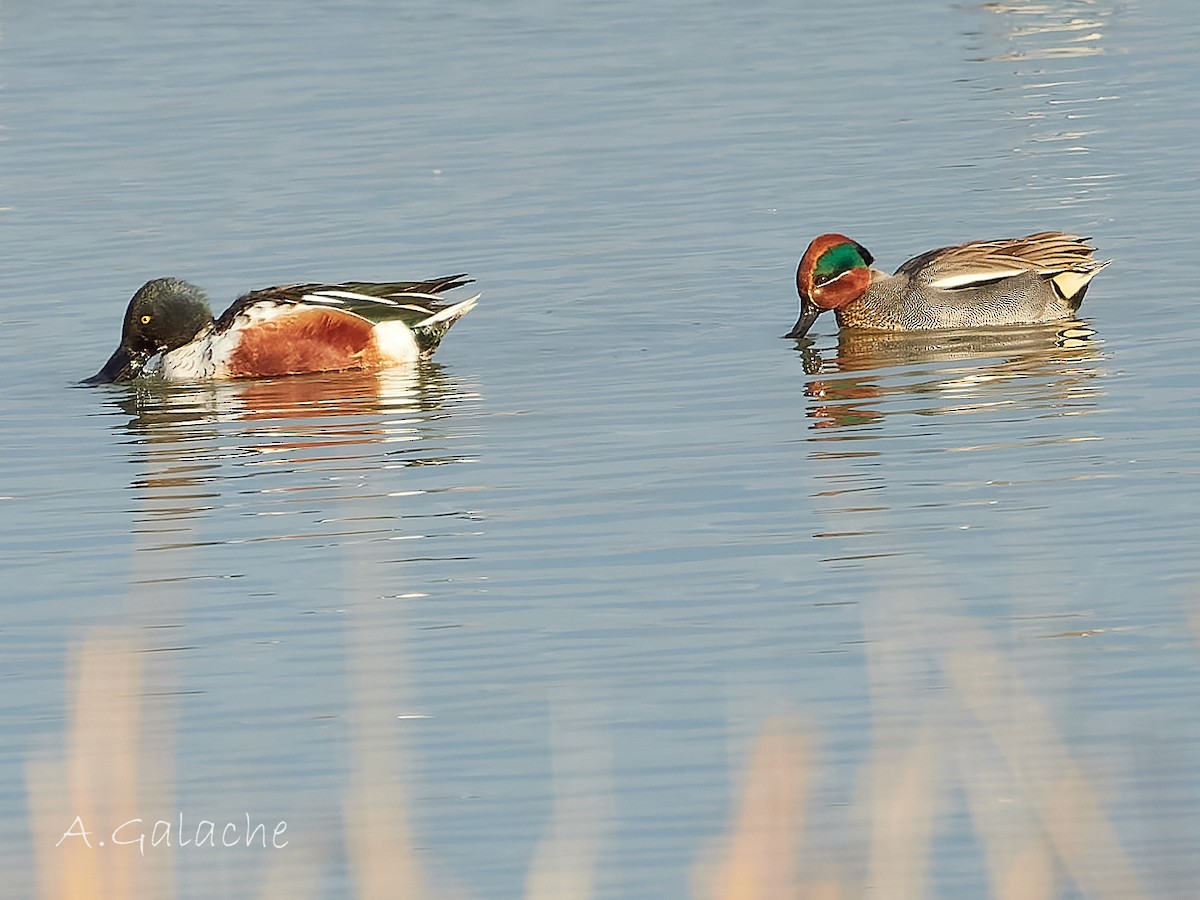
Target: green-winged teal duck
pixel 1038 278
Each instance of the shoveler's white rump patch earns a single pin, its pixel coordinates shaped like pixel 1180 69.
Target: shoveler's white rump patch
pixel 396 343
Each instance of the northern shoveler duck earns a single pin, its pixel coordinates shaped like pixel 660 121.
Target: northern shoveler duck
pixel 1015 281
pixel 284 330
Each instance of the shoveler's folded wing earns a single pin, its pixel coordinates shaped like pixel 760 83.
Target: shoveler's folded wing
pixel 417 304
pixel 412 302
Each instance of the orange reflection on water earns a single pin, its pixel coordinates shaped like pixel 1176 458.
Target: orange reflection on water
pixel 872 373
pixel 114 767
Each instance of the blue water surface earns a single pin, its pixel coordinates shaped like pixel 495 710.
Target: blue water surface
pixel 532 605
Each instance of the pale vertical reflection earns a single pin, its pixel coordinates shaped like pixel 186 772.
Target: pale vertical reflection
pixel 903 791
pixel 118 768
pixel 1066 805
pixel 1020 863
pixel 950 718
pixel 1034 812
pixel 565 864
pixel 760 858
pixel 115 766
pixel 378 836
pixel 900 783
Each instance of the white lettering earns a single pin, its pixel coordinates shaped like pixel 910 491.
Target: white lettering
pixel 71 832
pixel 260 829
pixel 140 840
pixel 210 831
pixel 160 835
pixel 132 831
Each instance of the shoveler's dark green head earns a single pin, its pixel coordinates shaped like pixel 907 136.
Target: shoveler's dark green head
pixel 834 271
pixel 164 314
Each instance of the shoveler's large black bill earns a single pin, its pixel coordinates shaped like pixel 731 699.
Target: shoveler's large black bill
pixel 121 366
pixel 808 314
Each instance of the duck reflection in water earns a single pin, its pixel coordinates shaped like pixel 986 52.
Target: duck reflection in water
pixel 950 371
pixel 295 417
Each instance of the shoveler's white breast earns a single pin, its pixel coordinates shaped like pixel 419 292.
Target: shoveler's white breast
pixel 268 338
pixel 194 361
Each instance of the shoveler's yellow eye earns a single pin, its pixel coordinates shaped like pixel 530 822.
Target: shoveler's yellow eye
pixel 145 320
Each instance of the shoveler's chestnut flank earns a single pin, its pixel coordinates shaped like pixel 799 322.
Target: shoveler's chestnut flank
pixel 1038 278
pixel 283 330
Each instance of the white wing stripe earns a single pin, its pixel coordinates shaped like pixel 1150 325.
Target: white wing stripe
pixel 338 296
pixel 417 295
pixel 335 296
pixel 968 278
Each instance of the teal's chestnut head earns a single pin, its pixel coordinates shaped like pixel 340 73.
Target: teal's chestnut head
pixel 164 314
pixel 833 271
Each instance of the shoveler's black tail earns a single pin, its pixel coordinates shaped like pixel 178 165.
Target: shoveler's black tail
pixel 417 303
pixel 429 333
pixel 448 283
pixel 432 286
